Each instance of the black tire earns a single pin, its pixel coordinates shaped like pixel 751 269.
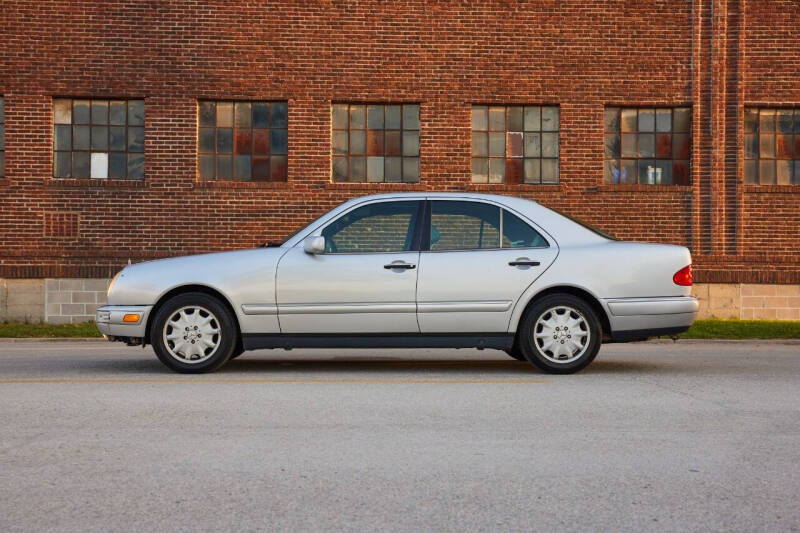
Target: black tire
pixel 239 350
pixel 225 343
pixel 554 307
pixel 515 353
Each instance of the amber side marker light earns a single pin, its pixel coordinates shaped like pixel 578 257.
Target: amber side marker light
pixel 135 317
pixel 683 276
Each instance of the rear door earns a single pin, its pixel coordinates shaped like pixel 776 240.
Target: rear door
pixel 478 261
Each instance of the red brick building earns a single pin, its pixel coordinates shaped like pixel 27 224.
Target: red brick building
pixel 665 120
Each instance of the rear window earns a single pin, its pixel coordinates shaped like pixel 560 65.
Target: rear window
pixel 587 226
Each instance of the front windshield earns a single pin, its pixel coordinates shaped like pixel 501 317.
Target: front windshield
pixel 587 226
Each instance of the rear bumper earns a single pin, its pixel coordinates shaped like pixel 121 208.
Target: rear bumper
pixel 640 318
pixel 111 325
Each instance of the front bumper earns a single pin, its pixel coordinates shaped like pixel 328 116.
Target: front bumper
pixel 111 323
pixel 640 318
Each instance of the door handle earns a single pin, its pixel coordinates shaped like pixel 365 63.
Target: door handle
pixel 524 262
pixel 405 266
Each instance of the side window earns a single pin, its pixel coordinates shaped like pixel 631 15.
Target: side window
pixel 464 225
pixel 374 228
pixel 518 234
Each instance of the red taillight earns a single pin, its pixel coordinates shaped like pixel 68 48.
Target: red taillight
pixel 683 276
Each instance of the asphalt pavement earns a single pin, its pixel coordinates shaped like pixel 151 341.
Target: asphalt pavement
pixel 693 436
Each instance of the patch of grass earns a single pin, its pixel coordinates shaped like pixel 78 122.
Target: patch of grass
pixel 718 328
pixel 25 330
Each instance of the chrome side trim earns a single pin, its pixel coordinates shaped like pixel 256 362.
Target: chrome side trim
pixel 653 306
pixel 499 306
pixel 260 309
pixel 322 309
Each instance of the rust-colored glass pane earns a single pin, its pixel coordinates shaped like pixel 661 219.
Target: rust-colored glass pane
pixel 375 142
pixel 664 145
pixel 277 167
pixel 766 145
pixel 750 120
pixel 783 146
pixel 783 172
pixel 682 119
pixel 514 170
pixel 480 118
pixel 750 172
pixel 244 141
pixel 62 112
pixel 797 146
pixel 680 146
pixel 224 114
pixel 513 146
pixel 514 118
pixel 339 169
pixel 750 146
pixel 261 141
pixel 628 120
pixel 394 144
pixel 261 170
pixel 611 119
pixel 497 118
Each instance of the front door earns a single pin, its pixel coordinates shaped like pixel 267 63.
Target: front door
pixel 364 282
pixel 481 259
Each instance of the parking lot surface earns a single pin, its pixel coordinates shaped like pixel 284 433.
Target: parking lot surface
pixel 654 436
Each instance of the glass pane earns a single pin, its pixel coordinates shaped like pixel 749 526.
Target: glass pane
pixel 135 116
pixel 378 227
pixel 261 141
pixel 244 141
pixel 358 169
pixel 410 169
pixel 766 121
pixel 261 170
pixel 2 164
pixel 394 145
pixel 99 112
pixel 243 167
pixel 339 142
pixel 766 172
pixel 628 171
pixel 750 147
pixel 480 144
pixel 750 172
pixel 62 139
pixel 206 112
pixel 374 142
pixel 612 148
pixel 393 117
pixel 62 111
pixel 411 117
pixel 224 114
pixel 497 144
pixel 766 145
pixel 2 110
pixel 663 120
pixel 375 169
pixel 225 140
pixel 497 170
pixel 533 118
pixel 278 141
pixel 514 145
pixel 797 146
pixel 680 145
pixel 244 115
pixel 532 171
pixel 783 146
pixel 339 169
pixel 785 121
pixel 394 169
pixel 459 225
pixel 550 118
pixel 375 117
pixel 514 170
pixel 358 119
pixel 99 165
pixel 750 120
pixel 797 120
pixel 261 117
pixel 514 118
pixel 680 172
pixel 533 145
pixel 647 172
pixel 80 137
pixel 278 168
pixel 117 166
pixel 2 137
pixel 135 166
pixel 628 120
pixel 647 120
pixel 663 173
pixel 647 144
pixel 62 164
pixel 783 172
pixel 135 139
pixel 549 144
pixel 628 145
pixel 549 170
pixel 480 118
pixel 100 137
pixel 80 112
pixel 664 145
pixel 497 118
pixel 682 119
pixel 278 115
pixel 358 142
pixel 611 119
pixel 224 167
pixel 611 171
pixel 339 115
pixel 205 140
pixel 480 170
pixel 206 166
pixel 81 164
pixel 796 180
pixel 117 140
pixel 518 234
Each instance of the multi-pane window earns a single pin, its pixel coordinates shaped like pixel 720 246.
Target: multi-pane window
pixel 95 138
pixel 772 146
pixel 515 144
pixel 2 138
pixel 375 142
pixel 649 146
pixel 242 140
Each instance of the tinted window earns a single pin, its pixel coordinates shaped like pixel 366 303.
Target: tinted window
pixel 518 234
pixel 464 225
pixel 380 227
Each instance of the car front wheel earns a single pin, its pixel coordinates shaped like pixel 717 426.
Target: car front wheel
pixel 193 333
pixel 560 334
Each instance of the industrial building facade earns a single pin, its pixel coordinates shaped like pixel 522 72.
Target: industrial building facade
pixel 133 130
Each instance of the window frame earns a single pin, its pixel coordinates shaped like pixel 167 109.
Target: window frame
pixel 793 160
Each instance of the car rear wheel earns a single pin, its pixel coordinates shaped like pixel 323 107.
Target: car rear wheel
pixel 560 334
pixel 193 333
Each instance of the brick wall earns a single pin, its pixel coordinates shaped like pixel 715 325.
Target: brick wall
pixel 715 55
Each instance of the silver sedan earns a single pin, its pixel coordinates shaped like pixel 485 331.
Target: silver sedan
pixel 436 270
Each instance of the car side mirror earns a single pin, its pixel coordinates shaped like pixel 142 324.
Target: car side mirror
pixel 314 244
